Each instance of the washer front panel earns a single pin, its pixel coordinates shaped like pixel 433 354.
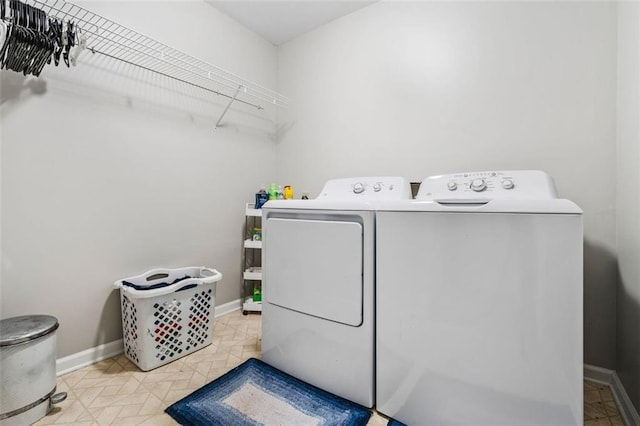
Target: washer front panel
pixel 479 318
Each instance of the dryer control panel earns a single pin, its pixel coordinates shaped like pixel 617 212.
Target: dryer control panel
pixel 367 188
pixel 476 187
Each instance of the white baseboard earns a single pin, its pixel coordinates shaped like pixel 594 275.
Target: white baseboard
pixel 90 356
pixel 629 413
pixel 227 308
pixel 598 374
pixel 610 378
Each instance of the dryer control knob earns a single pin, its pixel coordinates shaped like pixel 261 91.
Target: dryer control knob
pixel 507 184
pixel 358 188
pixel 452 186
pixel 377 187
pixel 478 185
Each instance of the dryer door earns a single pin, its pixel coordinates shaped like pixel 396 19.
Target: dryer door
pixel 315 267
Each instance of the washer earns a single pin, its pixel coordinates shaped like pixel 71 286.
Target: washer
pixel 318 284
pixel 479 303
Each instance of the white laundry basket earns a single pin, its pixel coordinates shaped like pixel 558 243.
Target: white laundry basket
pixel 166 316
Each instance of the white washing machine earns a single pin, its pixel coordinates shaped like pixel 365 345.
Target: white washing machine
pixel 479 303
pixel 318 285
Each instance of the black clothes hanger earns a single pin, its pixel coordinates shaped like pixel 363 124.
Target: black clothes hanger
pixel 25 42
pixel 55 28
pixel 71 41
pixel 34 40
pixel 5 45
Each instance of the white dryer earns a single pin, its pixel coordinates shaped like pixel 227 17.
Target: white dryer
pixel 479 303
pixel 318 284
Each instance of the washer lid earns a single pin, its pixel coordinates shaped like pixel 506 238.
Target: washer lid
pixel 24 328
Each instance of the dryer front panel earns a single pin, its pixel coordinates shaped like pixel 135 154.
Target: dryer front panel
pixel 315 267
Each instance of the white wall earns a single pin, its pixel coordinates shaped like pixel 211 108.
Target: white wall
pixel 423 88
pixel 628 207
pixel 108 171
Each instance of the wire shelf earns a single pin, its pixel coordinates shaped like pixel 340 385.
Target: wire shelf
pixel 108 38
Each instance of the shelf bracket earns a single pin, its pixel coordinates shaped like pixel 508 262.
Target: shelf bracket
pixel 228 105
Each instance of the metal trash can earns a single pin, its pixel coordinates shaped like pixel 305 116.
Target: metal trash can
pixel 27 369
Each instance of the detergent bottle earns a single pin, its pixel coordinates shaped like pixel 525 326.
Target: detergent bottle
pixel 273 191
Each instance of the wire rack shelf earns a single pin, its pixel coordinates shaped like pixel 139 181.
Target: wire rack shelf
pixel 110 39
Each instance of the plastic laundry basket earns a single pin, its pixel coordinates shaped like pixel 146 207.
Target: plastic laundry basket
pixel 167 314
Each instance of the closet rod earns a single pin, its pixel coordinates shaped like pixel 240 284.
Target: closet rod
pixel 182 69
pixel 233 98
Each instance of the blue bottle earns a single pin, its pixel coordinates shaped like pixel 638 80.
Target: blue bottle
pixel 261 198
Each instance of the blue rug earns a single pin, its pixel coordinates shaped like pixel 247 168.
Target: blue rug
pixel 394 422
pixel 255 393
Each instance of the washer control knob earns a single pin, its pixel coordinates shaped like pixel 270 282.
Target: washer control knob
pixel 452 186
pixel 478 185
pixel 377 187
pixel 507 184
pixel 358 188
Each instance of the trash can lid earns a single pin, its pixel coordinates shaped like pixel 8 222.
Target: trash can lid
pixel 25 328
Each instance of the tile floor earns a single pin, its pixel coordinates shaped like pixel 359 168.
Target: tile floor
pixel 599 407
pixel 115 391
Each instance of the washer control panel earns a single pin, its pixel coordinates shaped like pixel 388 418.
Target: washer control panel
pixel 367 188
pixel 485 186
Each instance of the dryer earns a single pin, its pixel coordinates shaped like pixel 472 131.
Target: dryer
pixel 479 303
pixel 318 284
